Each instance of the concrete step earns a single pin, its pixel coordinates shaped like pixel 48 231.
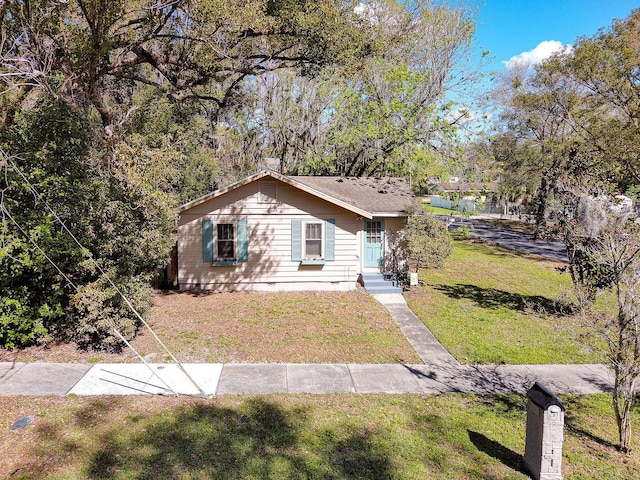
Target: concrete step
pixel 383 289
pixel 377 283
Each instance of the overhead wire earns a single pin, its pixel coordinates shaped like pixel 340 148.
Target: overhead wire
pixel 8 161
pixel 75 287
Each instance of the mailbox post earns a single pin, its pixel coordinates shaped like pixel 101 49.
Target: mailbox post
pixel 545 434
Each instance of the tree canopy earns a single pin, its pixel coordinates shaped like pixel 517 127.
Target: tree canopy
pixel 573 119
pixel 570 141
pixel 117 112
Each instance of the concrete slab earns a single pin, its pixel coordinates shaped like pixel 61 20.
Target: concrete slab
pixel 118 379
pixel 602 374
pixel 253 378
pixel 390 298
pixel 426 346
pixel 41 378
pixel 139 379
pixel 443 377
pixel 501 378
pixel 383 378
pixel 319 378
pixel 573 378
pixel 419 336
pixel 8 369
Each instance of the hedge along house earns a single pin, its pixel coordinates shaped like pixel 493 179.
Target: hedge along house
pixel 272 232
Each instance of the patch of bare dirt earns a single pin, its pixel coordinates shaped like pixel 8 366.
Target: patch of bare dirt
pixel 309 327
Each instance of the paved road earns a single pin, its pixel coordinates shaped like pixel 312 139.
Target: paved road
pixel 525 242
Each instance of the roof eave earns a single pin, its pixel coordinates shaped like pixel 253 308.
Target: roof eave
pixel 222 191
pixel 282 178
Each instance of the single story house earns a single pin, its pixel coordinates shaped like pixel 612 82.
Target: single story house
pixel 272 232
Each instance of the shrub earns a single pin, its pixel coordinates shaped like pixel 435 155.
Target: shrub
pixel 428 240
pixel 98 311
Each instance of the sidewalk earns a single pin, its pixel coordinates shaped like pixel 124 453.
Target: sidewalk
pixel 219 379
pixel 440 373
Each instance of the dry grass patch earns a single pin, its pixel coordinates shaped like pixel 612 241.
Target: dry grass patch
pixel 317 327
pixel 300 327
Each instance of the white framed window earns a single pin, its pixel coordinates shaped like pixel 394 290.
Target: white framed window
pixel 313 240
pixel 225 241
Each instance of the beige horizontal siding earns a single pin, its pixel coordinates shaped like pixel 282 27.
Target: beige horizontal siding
pixel 269 229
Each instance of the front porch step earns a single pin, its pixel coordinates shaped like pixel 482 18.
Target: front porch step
pixel 377 283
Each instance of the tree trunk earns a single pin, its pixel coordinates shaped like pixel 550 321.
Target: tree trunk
pixel 623 397
pixel 541 207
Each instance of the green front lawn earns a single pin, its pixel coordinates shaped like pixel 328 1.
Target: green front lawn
pixel 489 304
pixel 440 210
pixel 335 437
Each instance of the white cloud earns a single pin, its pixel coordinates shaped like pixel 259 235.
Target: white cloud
pixel 543 51
pixel 361 8
pixel 375 12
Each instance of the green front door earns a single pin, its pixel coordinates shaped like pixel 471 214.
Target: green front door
pixel 373 243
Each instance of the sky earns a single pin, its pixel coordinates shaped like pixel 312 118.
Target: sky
pixel 533 29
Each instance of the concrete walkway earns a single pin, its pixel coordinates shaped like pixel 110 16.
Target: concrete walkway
pixel 219 379
pixel 420 337
pixel 440 373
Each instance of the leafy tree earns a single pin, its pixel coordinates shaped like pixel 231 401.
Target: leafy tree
pixel 574 119
pixel 428 239
pixel 392 117
pixel 611 241
pixel 97 51
pixel 32 293
pixel 480 163
pixel 540 141
pixel 576 115
pixel 382 114
pixel 520 164
pixel 292 119
pixel 121 223
pixel 605 68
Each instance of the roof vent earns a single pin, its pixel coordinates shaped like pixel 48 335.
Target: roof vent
pixel 268 192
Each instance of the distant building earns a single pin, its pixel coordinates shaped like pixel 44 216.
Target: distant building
pixel 463 189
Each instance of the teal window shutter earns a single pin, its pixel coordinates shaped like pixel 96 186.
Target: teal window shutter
pixel 243 240
pixel 296 240
pixel 330 240
pixel 207 240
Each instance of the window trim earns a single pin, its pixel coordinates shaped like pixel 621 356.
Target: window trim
pixel 329 240
pixel 306 259
pixel 210 241
pixel 216 241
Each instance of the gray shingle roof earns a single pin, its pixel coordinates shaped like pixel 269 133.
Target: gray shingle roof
pixel 376 195
pixel 365 196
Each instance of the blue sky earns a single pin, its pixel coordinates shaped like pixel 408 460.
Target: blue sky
pixel 508 28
